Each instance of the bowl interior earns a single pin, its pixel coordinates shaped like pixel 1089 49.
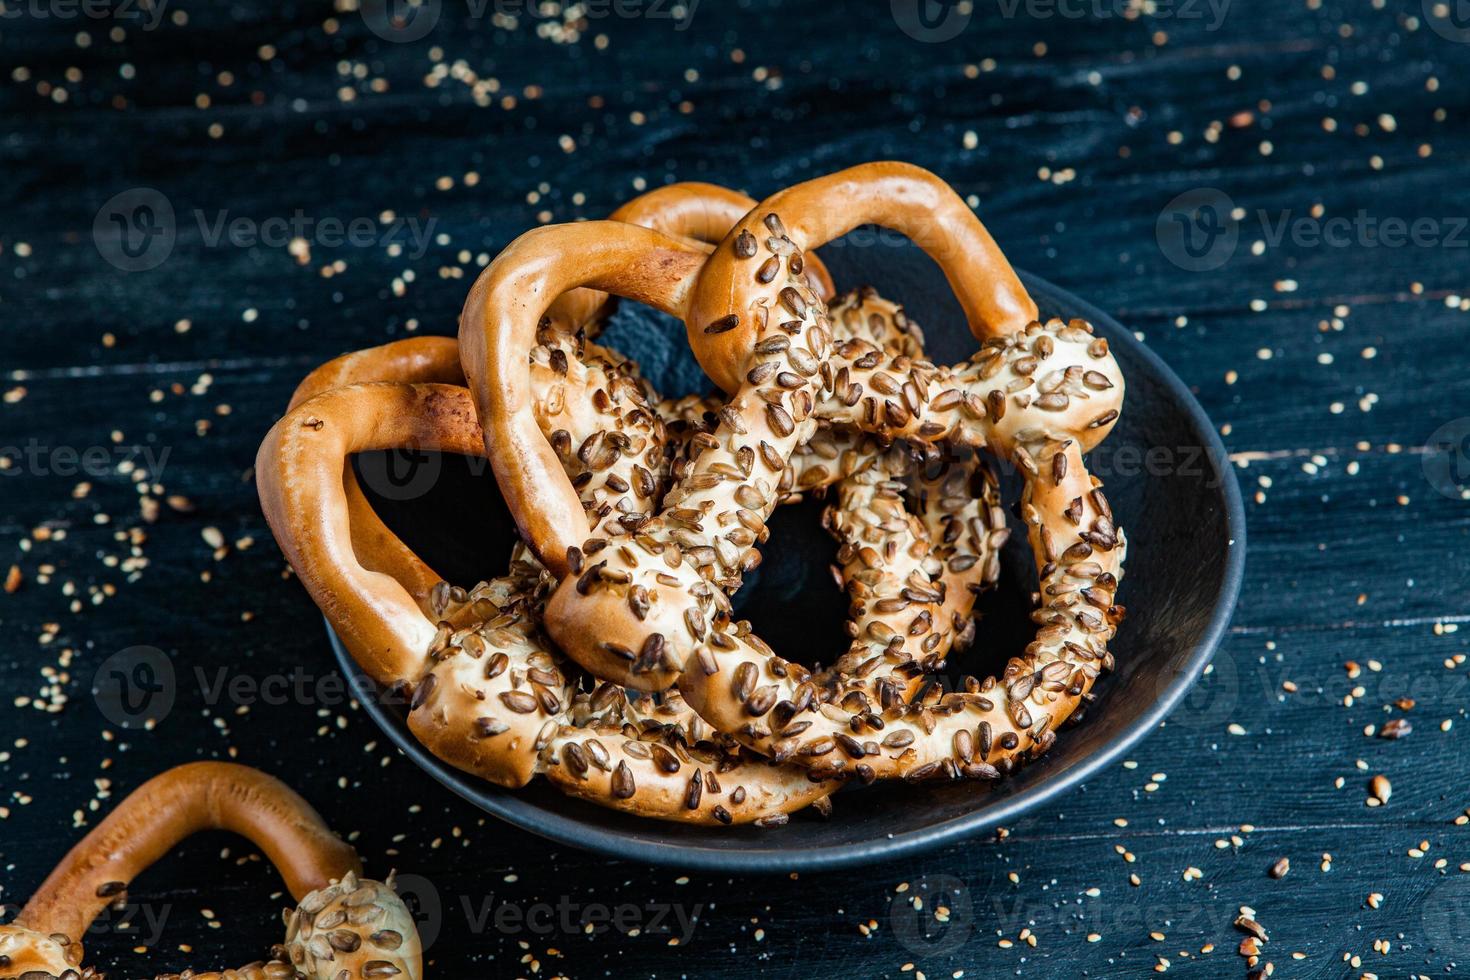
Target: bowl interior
pixel 1162 460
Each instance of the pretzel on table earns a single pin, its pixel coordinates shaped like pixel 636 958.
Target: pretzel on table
pixel 344 927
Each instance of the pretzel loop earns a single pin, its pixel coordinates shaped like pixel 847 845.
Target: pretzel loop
pixel 792 222
pixel 488 695
pixel 320 870
pixel 498 327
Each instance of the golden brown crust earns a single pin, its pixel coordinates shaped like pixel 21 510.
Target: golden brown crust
pixel 899 196
pixel 698 212
pixel 298 470
pixel 423 360
pixel 211 796
pixel 499 327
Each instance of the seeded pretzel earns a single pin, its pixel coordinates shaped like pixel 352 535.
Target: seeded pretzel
pixel 343 928
pixel 913 577
pixel 429 359
pixel 650 608
pixel 488 694
pixel 699 212
pixel 883 546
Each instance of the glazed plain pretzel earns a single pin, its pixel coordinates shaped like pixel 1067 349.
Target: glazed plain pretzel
pixel 344 927
pixel 488 695
pixel 650 608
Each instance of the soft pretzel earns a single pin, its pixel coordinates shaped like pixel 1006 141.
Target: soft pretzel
pixel 913 577
pixel 430 359
pixel 650 608
pixel 488 694
pixel 698 212
pixel 344 927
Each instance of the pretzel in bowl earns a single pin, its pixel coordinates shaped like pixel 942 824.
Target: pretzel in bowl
pixel 487 693
pixel 344 927
pixel 583 376
pixel 699 213
pixel 649 607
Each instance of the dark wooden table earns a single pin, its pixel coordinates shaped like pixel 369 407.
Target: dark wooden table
pixel 1329 346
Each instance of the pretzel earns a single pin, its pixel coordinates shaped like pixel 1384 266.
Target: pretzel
pixel 698 212
pixel 650 608
pixel 865 472
pixel 913 577
pixel 488 694
pixel 344 927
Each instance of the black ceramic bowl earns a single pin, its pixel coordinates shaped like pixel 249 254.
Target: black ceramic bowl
pixel 1170 487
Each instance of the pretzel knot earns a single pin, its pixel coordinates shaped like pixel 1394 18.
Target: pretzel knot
pixel 344 927
pixel 488 693
pixel 646 604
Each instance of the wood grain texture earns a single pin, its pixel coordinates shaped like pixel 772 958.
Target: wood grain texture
pixel 1328 368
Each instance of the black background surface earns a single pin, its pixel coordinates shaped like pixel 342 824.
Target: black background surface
pixel 1328 365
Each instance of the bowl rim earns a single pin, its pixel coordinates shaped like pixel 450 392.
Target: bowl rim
pixel 775 858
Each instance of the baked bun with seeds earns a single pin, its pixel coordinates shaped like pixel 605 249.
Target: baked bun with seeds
pixel 344 927
pixel 650 607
